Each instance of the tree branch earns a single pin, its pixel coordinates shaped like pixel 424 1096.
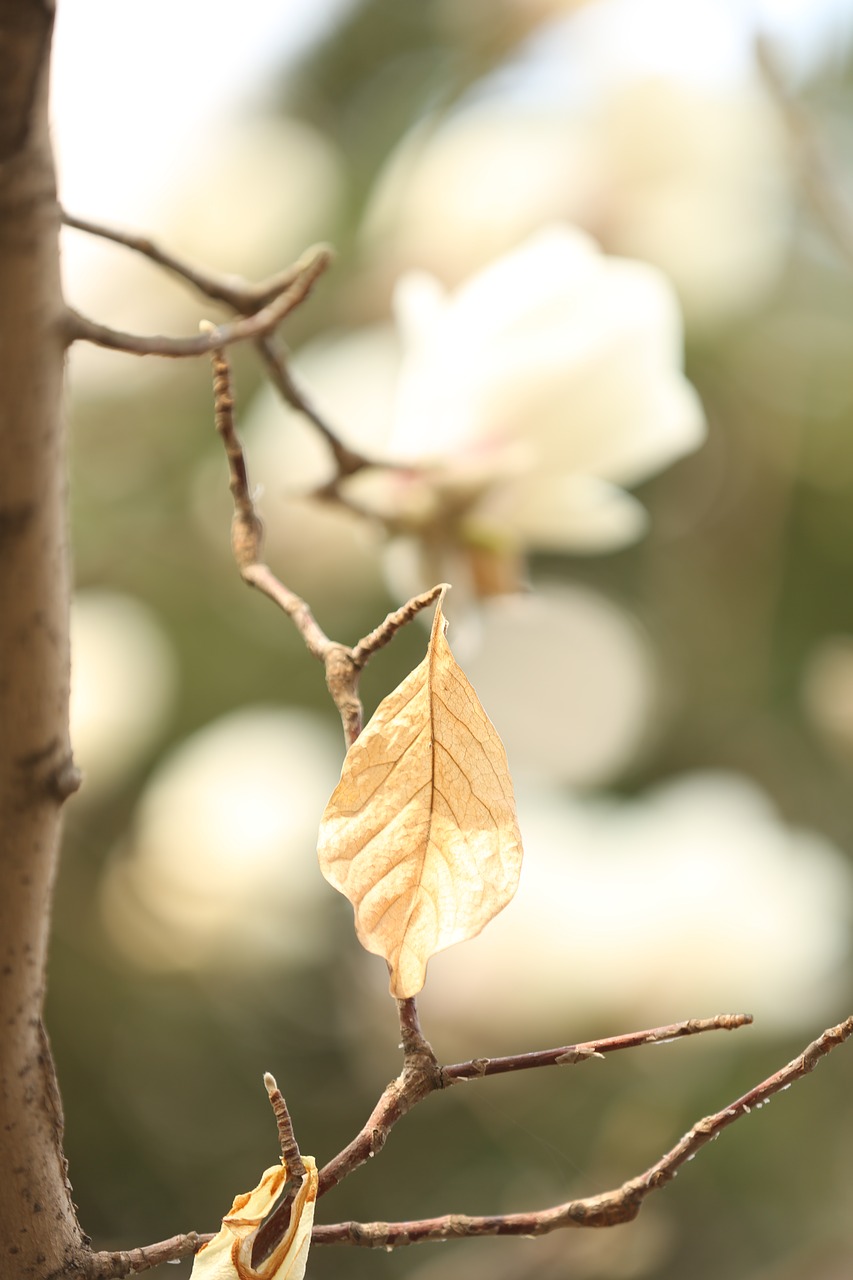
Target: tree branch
pixel 107 1265
pixel 572 1054
pixel 257 325
pixel 245 299
pixel 273 1230
pixel 290 1152
pixel 385 632
pixel 819 184
pixel 274 356
pixel 607 1209
pixel 343 664
pixel 604 1210
pixel 234 291
pixel 421 1076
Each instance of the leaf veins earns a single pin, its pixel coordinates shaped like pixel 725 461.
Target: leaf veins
pixel 421 832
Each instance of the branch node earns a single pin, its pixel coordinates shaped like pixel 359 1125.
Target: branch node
pixel 580 1054
pixel 66 779
pixel 342 676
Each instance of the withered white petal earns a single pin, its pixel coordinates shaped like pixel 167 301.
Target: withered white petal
pixel 228 1256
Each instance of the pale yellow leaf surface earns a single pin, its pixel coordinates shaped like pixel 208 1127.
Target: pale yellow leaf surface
pixel 228 1256
pixel 421 832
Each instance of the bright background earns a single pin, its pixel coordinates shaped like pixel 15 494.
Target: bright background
pixel 684 778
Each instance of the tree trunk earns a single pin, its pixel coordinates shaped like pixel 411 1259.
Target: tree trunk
pixel 39 1235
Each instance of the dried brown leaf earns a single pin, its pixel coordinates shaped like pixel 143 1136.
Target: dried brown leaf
pixel 421 832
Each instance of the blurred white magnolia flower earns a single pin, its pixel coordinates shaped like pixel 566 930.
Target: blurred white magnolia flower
pixel 221 864
pixel 511 413
pixel 583 689
pixel 123 680
pixel 528 398
pixel 695 899
pixel 693 179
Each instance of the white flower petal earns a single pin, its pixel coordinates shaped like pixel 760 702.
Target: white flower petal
pixel 574 513
pixel 419 303
pixel 614 416
pixel 553 359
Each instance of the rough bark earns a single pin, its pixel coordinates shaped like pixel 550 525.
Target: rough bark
pixel 39 1235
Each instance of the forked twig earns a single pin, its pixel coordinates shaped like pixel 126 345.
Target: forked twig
pixel 421 1076
pixel 246 299
pixel 343 664
pixel 259 324
pixel 241 295
pixel 606 1209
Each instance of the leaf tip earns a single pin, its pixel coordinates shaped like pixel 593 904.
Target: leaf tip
pixel 439 621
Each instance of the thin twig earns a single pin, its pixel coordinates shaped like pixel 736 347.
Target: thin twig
pixel 256 325
pixel 421 1076
pixel 106 1265
pixel 274 356
pixel 343 665
pixel 246 525
pixel 273 1230
pixel 818 181
pixel 607 1209
pixel 571 1054
pixel 290 1152
pixel 244 296
pixel 386 630
pixel 246 299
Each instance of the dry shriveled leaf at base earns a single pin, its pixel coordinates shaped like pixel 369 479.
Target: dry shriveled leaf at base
pixel 228 1256
pixel 421 832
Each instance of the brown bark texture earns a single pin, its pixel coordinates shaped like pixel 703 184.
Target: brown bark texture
pixel 39 1236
